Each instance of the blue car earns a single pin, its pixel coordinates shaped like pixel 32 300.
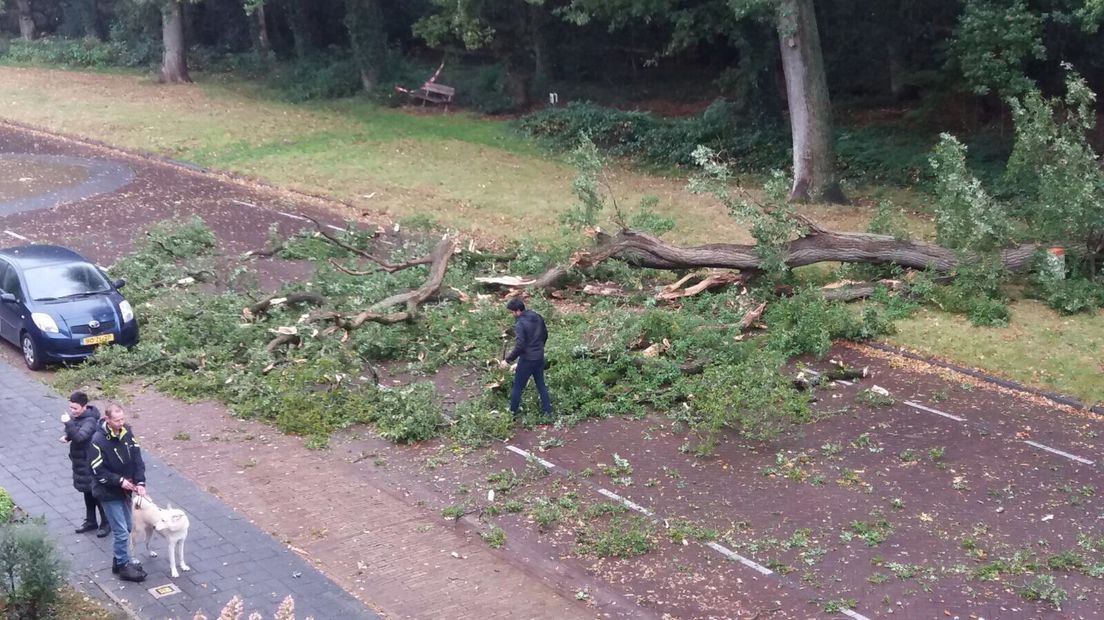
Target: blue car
pixel 57 306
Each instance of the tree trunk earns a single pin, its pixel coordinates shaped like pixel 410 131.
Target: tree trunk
pixel 174 61
pixel 264 45
pixel 26 19
pixel 364 22
pixel 299 21
pixel 896 67
pixel 814 159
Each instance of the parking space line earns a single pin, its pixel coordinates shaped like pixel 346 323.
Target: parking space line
pixel 732 555
pixel 1072 457
pixel 851 613
pixel 307 219
pixel 16 235
pixel 628 503
pixel 529 455
pixel 935 411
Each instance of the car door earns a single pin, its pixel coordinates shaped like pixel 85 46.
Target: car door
pixel 11 315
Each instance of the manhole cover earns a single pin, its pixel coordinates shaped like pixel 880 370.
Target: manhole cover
pixel 166 590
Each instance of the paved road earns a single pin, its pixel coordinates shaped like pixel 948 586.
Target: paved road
pixel 227 554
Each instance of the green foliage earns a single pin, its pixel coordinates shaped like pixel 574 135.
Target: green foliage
pixel 1067 560
pixel 751 144
pixel 808 323
pixel 82 53
pixel 494 536
pixel 873 533
pixel 317 77
pixel 752 397
pixel 1070 296
pixel 1054 171
pixel 681 531
pixel 7 506
pixel 620 538
pixel 993 41
pixel 410 415
pixel 874 399
pixel 967 217
pixel 546 513
pixel 33 571
pixel 1044 588
pixel 477 424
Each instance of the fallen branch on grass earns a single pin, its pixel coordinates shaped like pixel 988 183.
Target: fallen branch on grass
pixel 412 299
pixel 705 282
pixel 291 299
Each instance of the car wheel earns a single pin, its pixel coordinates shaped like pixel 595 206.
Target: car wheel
pixel 32 356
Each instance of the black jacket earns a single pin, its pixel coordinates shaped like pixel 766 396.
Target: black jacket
pixel 531 335
pixel 114 458
pixel 79 431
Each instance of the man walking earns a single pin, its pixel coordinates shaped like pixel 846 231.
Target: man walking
pixel 118 471
pixel 80 426
pixel 531 334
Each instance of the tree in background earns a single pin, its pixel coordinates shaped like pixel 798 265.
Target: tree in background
pixel 512 31
pixel 174 56
pixel 26 19
pixel 368 38
pixel 806 85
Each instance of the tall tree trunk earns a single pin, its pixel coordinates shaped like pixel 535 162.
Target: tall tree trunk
pixel 364 21
pixel 174 60
pixel 896 66
pixel 92 20
pixel 26 19
pixel 264 45
pixel 814 159
pixel 299 21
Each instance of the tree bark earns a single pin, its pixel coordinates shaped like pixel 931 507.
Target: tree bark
pixel 814 159
pixel 26 19
pixel 174 61
pixel 264 44
pixel 364 22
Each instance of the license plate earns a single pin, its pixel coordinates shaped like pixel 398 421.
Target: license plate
pixel 103 339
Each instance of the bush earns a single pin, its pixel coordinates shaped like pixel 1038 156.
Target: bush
pixel 32 571
pixel 1070 296
pixel 68 53
pixel 318 77
pixel 7 506
pixel 752 145
pixel 753 397
pixel 808 323
pixel 412 414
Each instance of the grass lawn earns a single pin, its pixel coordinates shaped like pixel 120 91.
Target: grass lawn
pixel 479 176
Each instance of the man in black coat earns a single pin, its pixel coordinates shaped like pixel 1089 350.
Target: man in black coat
pixel 80 425
pixel 531 334
pixel 117 472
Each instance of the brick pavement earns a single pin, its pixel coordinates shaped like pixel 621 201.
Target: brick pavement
pixel 228 555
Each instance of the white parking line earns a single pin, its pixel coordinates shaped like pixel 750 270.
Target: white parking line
pixel 851 613
pixel 307 219
pixel 626 502
pixel 16 235
pixel 528 455
pixel 1072 457
pixel 844 382
pixel 935 411
pixel 732 555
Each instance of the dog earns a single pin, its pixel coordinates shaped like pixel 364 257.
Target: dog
pixel 171 523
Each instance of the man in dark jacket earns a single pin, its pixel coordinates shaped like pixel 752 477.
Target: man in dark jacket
pixel 531 334
pixel 80 425
pixel 118 471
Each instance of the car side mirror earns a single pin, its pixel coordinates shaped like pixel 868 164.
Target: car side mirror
pixel 7 298
pixel 120 283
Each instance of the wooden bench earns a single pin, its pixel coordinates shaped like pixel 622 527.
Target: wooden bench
pixel 434 93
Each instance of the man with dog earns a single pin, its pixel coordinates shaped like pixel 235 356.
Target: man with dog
pixel 118 472
pixel 81 423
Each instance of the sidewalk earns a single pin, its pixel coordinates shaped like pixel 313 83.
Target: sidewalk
pixel 228 555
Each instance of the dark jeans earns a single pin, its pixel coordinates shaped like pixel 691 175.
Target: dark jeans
pixel 90 505
pixel 526 369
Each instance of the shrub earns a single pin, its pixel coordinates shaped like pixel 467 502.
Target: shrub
pixel 409 415
pixel 33 571
pixel 318 77
pixel 753 397
pixel 68 53
pixel 7 506
pixel 808 323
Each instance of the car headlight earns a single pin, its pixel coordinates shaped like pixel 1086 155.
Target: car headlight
pixel 45 322
pixel 126 310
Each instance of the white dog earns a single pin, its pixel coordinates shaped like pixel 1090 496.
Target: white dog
pixel 171 523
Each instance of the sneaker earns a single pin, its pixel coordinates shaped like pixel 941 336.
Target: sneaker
pixel 105 529
pixel 132 572
pixel 87 526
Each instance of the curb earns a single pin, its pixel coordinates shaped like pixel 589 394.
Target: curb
pixel 988 378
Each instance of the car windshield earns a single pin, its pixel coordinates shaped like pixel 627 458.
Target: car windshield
pixel 59 281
